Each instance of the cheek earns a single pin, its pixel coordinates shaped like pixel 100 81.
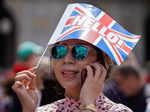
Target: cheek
pixel 124 86
pixel 55 66
pixel 135 86
pixel 82 65
pixel 91 58
pixel 130 87
pixel 56 72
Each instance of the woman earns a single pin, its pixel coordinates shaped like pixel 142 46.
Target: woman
pixel 67 66
pixel 79 65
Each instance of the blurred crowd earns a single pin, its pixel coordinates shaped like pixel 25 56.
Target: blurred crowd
pixel 128 83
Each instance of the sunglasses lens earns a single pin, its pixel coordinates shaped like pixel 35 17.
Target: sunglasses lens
pixel 79 52
pixel 59 52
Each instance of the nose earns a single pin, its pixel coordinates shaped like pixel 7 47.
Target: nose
pixel 69 58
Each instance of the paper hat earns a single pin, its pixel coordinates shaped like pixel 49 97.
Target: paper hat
pixel 88 23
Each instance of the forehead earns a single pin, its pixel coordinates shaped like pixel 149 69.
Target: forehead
pixel 75 42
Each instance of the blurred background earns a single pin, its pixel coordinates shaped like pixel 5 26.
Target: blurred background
pixel 35 20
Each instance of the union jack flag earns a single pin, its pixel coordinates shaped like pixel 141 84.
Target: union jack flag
pixel 88 23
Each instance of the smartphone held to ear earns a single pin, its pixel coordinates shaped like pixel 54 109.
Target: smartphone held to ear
pixel 83 75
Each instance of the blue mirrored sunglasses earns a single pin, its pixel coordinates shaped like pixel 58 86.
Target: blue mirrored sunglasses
pixel 79 52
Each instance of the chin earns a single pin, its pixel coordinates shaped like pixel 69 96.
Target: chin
pixel 71 85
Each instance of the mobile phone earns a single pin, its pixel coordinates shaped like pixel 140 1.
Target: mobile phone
pixel 83 75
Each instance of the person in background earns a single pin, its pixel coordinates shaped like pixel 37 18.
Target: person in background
pixel 127 87
pixel 27 54
pixel 132 60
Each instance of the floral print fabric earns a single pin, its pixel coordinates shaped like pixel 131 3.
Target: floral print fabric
pixel 69 105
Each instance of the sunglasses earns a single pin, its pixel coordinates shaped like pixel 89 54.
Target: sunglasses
pixel 79 52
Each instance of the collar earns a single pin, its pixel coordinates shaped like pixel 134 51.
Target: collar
pixel 71 102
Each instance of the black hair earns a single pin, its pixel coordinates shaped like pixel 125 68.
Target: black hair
pixel 101 58
pixel 102 61
pixel 128 70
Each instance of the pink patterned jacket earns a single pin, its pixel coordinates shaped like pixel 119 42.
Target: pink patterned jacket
pixel 69 105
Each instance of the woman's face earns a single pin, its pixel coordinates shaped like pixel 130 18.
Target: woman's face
pixel 68 69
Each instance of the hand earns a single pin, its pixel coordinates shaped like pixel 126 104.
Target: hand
pixel 94 84
pixel 25 89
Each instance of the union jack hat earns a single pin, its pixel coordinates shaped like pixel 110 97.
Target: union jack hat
pixel 86 22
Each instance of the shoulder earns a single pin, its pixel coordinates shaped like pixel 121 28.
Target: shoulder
pixel 53 107
pixel 107 105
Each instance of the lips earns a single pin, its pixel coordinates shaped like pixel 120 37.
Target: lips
pixel 69 74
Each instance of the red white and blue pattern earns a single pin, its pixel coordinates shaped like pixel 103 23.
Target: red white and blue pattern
pixel 86 22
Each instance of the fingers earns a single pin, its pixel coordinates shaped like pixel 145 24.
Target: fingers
pixel 89 72
pixel 96 71
pixel 26 77
pixel 33 69
pixel 25 88
pixel 103 74
pixel 22 77
pixel 17 84
pixel 32 84
pixel 100 72
pixel 24 96
pixel 18 87
pixel 94 83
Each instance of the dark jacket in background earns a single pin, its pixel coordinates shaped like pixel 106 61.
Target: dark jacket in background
pixel 137 103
